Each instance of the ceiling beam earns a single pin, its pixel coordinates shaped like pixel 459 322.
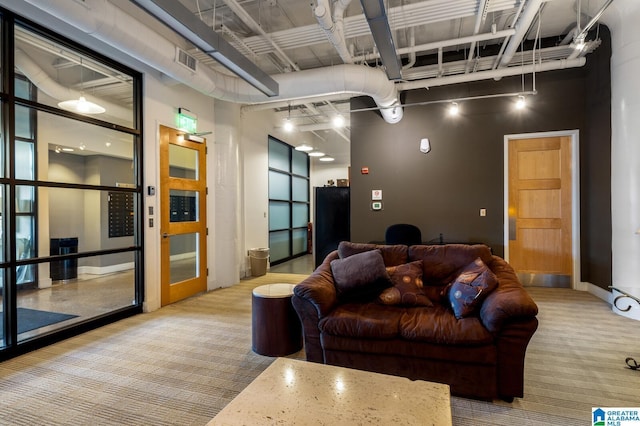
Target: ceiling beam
pixel 381 32
pixel 180 19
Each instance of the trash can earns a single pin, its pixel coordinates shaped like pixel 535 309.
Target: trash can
pixel 258 258
pixel 63 269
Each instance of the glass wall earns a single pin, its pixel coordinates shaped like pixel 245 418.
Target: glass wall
pixel 70 189
pixel 288 201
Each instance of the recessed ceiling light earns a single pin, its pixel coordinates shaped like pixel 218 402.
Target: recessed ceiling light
pixel 68 149
pixel 454 109
pixel 338 121
pixel 316 154
pixel 326 158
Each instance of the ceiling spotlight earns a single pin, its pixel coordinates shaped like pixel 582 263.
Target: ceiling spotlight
pixel 304 147
pixel 57 150
pixel 338 121
pixel 288 125
pixel 325 158
pixel 316 154
pixel 454 109
pixel 82 147
pixel 521 102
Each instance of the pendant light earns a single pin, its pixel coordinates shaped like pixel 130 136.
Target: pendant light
pixel 81 105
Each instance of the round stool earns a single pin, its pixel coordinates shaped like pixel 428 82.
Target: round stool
pixel 275 326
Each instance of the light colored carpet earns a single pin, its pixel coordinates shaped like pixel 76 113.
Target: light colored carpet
pixel 183 363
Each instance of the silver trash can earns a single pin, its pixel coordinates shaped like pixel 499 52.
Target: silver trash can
pixel 258 258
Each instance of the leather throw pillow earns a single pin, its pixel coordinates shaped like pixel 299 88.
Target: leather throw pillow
pixel 407 286
pixel 469 289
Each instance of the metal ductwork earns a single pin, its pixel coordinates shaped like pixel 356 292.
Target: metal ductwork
pixel 106 22
pixel 379 24
pixel 177 17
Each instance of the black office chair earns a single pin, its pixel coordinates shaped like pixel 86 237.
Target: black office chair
pixel 403 233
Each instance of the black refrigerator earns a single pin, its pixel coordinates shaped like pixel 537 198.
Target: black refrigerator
pixel 331 220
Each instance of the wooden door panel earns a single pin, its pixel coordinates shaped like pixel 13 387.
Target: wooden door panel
pixel 183 246
pixel 540 205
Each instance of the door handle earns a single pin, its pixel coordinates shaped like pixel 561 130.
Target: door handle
pixel 512 227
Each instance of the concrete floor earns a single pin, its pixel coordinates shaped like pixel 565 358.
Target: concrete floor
pixel 299 265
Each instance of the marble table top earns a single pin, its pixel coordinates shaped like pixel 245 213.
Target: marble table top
pixel 292 392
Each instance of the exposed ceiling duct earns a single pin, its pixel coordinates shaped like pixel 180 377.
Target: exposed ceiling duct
pixel 47 85
pixel 104 21
pixel 181 20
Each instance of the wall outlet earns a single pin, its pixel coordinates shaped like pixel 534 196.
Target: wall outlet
pixel 483 212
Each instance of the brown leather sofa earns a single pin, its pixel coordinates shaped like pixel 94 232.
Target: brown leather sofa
pixel 481 356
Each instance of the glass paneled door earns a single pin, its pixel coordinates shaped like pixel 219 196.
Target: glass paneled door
pixel 183 217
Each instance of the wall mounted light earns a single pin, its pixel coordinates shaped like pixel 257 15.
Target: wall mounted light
pixel 521 102
pixel 425 145
pixel 454 109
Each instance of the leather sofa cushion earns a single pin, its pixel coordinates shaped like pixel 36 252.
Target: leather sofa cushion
pixel 441 264
pixel 396 348
pixel 438 325
pixel 366 320
pixel 434 324
pixel 393 255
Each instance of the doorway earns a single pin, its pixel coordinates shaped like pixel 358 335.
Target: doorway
pixel 183 249
pixel 542 208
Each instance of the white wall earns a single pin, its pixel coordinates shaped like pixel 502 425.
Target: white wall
pixel 160 108
pixel 321 174
pixel 256 128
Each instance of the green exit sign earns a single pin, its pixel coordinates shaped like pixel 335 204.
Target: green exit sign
pixel 187 121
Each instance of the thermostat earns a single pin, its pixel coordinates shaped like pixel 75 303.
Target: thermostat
pixel 376 205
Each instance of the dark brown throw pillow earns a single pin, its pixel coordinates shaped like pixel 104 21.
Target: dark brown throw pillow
pixel 360 276
pixel 407 286
pixel 468 291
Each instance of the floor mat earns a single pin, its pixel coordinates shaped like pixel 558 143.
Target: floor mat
pixel 31 319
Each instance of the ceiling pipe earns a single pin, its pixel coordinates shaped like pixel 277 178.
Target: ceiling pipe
pixel 109 24
pixel 480 17
pixel 412 53
pixel 333 26
pixel 583 33
pixel 496 74
pixel 441 44
pixel 247 19
pixel 522 26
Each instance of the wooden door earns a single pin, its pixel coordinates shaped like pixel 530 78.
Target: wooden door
pixel 540 210
pixel 183 217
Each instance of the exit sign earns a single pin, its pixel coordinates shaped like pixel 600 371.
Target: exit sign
pixel 187 121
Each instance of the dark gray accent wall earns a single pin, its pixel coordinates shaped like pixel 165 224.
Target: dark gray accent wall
pixel 443 191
